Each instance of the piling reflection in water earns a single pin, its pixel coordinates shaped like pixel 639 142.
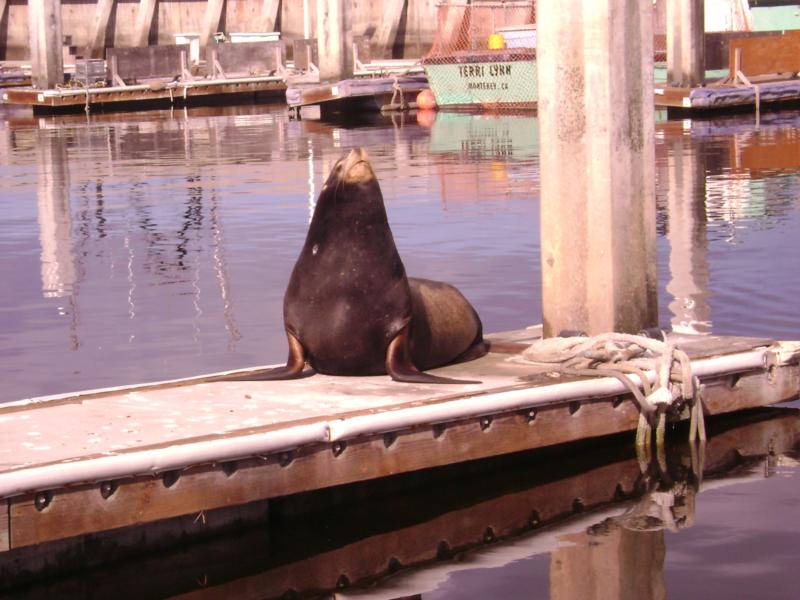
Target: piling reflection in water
pixel 683 170
pixel 727 191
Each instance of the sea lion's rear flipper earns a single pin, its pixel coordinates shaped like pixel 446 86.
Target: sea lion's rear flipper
pixel 400 367
pixel 292 370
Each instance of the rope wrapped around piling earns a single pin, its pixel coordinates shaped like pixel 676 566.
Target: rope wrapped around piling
pixel 620 355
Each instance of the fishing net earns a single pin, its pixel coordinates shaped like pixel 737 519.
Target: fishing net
pixel 484 54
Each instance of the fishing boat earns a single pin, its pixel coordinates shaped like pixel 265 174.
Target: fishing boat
pixel 484 55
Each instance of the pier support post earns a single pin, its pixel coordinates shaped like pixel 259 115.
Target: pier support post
pixel 685 42
pixel 598 234
pixel 97 40
pixel 44 34
pixel 335 40
pixel 211 21
pixel 144 22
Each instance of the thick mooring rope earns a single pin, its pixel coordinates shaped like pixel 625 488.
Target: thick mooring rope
pixel 620 355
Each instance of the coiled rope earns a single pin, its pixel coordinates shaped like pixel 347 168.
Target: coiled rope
pixel 621 355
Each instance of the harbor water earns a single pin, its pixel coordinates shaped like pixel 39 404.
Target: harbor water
pixel 157 245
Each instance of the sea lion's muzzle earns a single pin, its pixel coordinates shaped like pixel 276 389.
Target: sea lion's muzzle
pixel 357 168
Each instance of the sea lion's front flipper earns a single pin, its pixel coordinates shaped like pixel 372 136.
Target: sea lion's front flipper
pixel 292 370
pixel 400 367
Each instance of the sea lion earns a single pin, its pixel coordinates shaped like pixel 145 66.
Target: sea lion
pixel 349 308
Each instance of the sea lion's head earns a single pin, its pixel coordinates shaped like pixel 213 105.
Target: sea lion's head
pixel 353 169
pixel 351 183
pixel 356 167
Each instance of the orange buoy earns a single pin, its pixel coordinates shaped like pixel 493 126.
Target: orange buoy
pixel 426 118
pixel 426 100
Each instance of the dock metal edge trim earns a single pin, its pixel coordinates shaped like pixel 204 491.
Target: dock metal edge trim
pixel 480 405
pixel 177 456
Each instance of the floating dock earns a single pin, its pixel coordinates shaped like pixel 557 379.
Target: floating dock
pixel 420 522
pixel 152 95
pixel 729 96
pixel 762 68
pixel 93 462
pixel 361 94
pixel 158 76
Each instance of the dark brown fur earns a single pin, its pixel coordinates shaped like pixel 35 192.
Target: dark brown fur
pixel 349 308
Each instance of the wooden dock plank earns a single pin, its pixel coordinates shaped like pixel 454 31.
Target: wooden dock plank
pixel 722 97
pixel 308 95
pixel 255 564
pixel 83 509
pixel 151 94
pixel 5 525
pixel 765 55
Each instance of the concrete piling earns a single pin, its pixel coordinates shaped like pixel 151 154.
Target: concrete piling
pixel 685 42
pixel 44 35
pixel 598 232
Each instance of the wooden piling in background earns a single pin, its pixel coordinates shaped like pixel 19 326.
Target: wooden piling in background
pixel 144 22
pixel 45 38
pixel 685 42
pixel 387 31
pixel 211 20
pixel 335 40
pixel 598 233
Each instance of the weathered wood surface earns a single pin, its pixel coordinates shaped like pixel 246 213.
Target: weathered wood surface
pixel 717 46
pixel 151 62
pixel 45 35
pixel 766 55
pixel 350 88
pixel 453 532
pixel 144 22
pixel 5 522
pixel 504 516
pixel 728 96
pixel 303 52
pixel 154 95
pixel 168 17
pixel 247 59
pixel 83 509
pixel 211 20
pixel 269 15
pixel 387 31
pixel 97 41
pixel 143 421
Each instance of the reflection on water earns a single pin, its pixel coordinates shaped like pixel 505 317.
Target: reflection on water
pixel 728 197
pixel 684 171
pixel 588 522
pixel 151 246
pixel 166 239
